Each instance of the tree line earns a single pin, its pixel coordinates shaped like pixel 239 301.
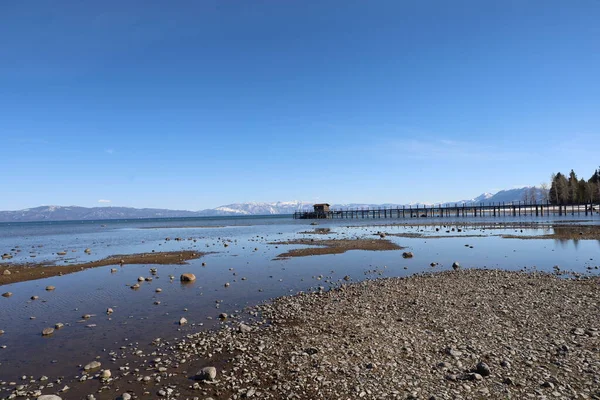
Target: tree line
pixel 570 190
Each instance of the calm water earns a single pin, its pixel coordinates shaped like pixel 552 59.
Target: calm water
pixel 137 319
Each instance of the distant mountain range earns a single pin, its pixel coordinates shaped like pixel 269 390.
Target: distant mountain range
pixel 73 213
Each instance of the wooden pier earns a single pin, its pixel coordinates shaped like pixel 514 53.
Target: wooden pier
pixel 515 209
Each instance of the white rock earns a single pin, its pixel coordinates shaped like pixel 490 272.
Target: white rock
pixel 92 365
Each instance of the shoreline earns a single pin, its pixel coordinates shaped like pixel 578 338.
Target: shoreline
pixel 472 333
pixel 32 271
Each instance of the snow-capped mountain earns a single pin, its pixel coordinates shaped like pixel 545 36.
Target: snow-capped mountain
pixel 70 213
pixel 254 208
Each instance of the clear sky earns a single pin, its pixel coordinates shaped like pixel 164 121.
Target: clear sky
pixel 195 104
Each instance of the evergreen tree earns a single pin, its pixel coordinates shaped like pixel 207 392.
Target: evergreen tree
pixel 559 191
pixel 573 185
pixel 594 186
pixel 583 192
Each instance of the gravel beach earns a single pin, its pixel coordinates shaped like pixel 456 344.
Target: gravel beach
pixel 465 334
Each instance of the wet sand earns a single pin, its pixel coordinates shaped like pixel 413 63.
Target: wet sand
pixel 31 271
pixel 567 232
pixel 334 246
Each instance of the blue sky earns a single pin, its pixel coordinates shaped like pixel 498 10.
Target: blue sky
pixel 195 104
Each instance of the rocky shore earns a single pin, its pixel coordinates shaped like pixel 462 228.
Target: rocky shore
pixel 465 334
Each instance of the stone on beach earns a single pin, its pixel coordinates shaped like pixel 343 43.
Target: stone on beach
pixel 6 272
pixel 455 265
pixel 206 374
pixel 183 321
pixel 47 331
pixel 50 288
pixel 92 365
pixel 49 397
pixel 187 277
pixel 7 294
pixel 407 254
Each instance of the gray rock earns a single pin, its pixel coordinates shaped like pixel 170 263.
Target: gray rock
pixel 49 397
pixel 244 328
pixel 455 265
pixel 578 331
pixel 206 374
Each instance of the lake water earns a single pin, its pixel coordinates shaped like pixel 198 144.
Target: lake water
pixel 136 319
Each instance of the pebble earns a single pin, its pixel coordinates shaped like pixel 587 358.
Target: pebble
pixel 183 321
pixel 6 294
pixel 50 288
pixel 92 365
pixel 47 331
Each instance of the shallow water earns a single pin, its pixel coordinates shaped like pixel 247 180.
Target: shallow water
pixel 248 255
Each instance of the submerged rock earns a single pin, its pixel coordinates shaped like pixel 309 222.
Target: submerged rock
pixel 187 277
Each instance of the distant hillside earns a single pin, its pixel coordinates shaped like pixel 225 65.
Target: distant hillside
pixel 72 213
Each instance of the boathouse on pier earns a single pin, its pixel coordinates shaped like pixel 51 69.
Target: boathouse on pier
pixel 321 207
